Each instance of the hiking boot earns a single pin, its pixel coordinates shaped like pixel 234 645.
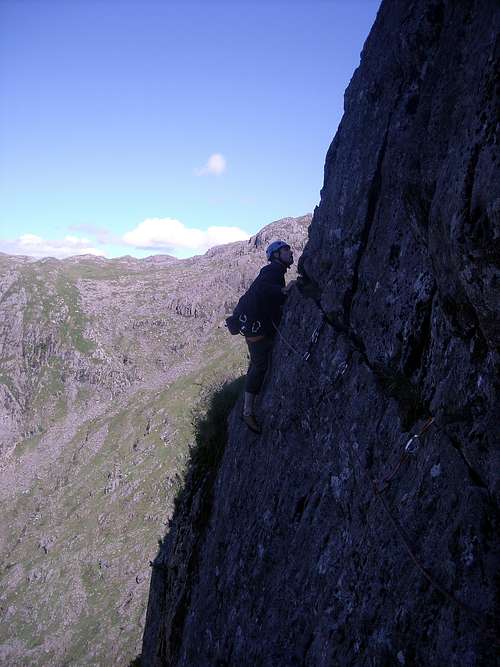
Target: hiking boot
pixel 252 423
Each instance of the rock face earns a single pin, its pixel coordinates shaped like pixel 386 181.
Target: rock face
pixel 322 542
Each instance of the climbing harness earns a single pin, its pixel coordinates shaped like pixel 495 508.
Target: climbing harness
pixel 243 325
pixel 239 325
pixel 411 448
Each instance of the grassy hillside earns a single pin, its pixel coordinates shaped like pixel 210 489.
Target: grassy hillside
pixel 83 532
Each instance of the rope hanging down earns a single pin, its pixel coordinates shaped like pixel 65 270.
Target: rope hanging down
pixel 410 449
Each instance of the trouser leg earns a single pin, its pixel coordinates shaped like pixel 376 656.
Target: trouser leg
pixel 259 359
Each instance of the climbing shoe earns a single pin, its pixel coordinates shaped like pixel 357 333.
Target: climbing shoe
pixel 252 423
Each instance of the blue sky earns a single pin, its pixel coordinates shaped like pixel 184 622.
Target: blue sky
pixel 149 127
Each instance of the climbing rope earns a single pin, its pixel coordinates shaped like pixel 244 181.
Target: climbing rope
pixel 410 449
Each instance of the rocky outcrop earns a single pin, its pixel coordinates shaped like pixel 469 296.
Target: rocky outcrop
pixel 338 538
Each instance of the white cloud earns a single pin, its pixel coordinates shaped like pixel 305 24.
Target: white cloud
pixel 36 246
pixel 215 165
pixel 164 235
pixel 172 235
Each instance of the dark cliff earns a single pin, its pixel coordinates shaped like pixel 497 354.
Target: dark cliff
pixel 321 542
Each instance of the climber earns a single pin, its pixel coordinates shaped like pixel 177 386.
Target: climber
pixel 257 317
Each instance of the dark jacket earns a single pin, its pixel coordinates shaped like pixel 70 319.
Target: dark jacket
pixel 259 309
